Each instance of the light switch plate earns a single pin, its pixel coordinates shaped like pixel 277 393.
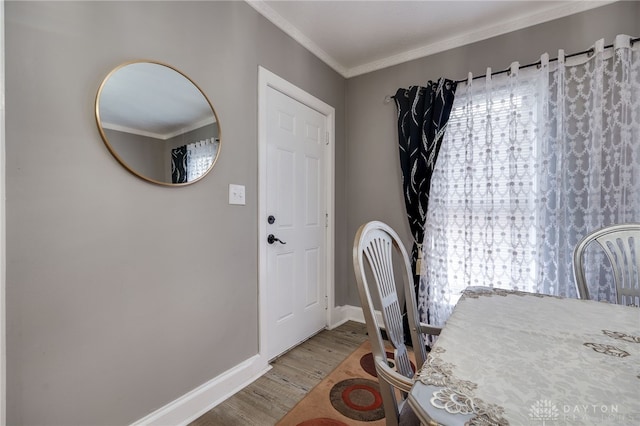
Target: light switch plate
pixel 236 194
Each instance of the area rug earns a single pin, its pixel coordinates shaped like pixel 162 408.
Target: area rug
pixel 348 396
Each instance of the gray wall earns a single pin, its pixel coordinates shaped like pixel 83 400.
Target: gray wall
pixel 103 324
pixel 114 306
pixel 143 154
pixel 373 176
pixel 151 157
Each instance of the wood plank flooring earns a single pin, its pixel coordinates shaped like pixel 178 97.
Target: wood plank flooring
pixel 293 375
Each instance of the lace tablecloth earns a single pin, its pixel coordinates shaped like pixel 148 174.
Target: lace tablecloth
pixel 513 358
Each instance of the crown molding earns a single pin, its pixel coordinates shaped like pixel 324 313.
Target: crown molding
pixel 484 33
pixel 160 136
pixel 478 35
pixel 265 10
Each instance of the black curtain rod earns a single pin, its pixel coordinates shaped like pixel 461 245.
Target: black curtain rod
pixel 589 52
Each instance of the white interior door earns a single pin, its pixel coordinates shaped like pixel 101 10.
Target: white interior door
pixel 296 290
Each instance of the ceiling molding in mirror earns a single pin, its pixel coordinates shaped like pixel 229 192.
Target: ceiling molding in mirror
pixel 158 123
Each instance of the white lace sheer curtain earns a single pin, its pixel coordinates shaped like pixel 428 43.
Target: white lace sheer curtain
pixel 530 163
pixel 200 155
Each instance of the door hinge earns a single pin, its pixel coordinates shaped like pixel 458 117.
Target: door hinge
pixel 326 302
pixel 326 220
pixel 326 138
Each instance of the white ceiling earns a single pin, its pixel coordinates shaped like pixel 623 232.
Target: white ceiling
pixel 353 37
pixel 356 37
pixel 153 100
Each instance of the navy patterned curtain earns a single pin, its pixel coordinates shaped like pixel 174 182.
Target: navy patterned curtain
pixel 179 164
pixel 423 113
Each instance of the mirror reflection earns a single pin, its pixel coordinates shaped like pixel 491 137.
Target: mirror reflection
pixel 158 123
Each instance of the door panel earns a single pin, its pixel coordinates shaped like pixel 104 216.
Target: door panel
pixel 312 269
pixel 283 190
pixel 284 303
pixel 296 197
pixel 312 193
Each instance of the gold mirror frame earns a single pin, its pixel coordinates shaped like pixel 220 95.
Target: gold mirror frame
pixel 118 155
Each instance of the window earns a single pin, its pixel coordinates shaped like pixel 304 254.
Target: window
pixel 200 156
pixel 486 162
pixel 530 163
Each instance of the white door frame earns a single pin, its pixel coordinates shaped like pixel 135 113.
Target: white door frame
pixel 268 79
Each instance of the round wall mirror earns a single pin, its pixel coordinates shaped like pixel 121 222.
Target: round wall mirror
pixel 158 123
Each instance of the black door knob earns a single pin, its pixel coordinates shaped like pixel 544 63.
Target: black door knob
pixel 272 239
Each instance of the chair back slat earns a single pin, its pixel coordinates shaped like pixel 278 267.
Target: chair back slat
pixel 375 249
pixel 623 250
pixel 621 245
pixel 379 254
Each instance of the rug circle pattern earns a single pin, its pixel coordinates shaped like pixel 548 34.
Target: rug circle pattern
pixel 348 396
pixel 358 399
pixel 367 364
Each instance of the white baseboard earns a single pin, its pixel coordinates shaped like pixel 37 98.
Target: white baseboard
pixel 195 403
pixel 342 314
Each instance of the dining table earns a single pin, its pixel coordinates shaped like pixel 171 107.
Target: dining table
pixel 515 358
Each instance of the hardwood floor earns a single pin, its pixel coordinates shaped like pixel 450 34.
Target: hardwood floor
pixel 293 375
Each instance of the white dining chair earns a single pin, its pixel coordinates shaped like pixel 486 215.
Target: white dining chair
pixel 380 244
pixel 621 244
